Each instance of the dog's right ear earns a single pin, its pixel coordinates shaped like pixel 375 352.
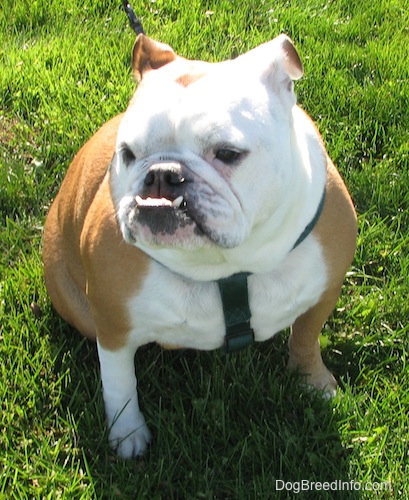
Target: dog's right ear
pixel 149 54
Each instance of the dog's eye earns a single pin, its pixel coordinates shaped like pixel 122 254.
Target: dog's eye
pixel 227 156
pixel 127 156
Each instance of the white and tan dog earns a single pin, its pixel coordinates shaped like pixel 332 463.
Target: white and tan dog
pixel 212 170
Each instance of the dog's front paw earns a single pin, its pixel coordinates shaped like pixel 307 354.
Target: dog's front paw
pixel 130 440
pixel 316 376
pixel 324 381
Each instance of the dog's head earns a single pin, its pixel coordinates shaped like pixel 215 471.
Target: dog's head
pixel 205 158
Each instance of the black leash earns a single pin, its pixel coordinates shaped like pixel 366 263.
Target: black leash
pixel 135 23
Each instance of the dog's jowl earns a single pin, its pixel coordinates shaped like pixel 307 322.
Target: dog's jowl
pixel 213 171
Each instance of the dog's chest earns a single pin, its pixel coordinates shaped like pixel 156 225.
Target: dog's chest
pixel 171 310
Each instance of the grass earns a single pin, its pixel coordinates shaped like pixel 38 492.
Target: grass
pixel 223 427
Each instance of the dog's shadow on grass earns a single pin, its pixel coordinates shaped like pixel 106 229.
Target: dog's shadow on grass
pixel 223 425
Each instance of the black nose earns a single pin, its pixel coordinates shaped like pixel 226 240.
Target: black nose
pixel 163 181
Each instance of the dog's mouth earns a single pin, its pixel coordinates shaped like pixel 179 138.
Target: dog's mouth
pixel 177 203
pixel 195 218
pixel 164 222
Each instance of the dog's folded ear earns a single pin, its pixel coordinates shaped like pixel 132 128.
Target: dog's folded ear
pixel 292 61
pixel 149 55
pixel 278 54
pixel 277 64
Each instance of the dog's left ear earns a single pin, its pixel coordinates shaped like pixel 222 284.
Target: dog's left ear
pixel 275 55
pixel 150 55
pixel 277 63
pixel 291 59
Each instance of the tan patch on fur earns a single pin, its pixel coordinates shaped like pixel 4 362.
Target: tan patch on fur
pixel 188 79
pixel 114 269
pixel 63 269
pixel 89 286
pixel 337 227
pixel 336 230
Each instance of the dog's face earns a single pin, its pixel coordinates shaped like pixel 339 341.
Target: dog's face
pixel 203 153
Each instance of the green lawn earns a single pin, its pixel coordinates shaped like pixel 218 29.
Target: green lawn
pixel 223 427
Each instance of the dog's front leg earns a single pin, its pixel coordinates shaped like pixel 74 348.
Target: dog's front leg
pixel 128 433
pixel 304 346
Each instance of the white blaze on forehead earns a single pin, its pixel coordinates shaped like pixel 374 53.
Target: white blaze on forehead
pixel 210 112
pixel 147 121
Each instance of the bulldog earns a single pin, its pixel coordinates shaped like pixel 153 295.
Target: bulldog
pixel 213 186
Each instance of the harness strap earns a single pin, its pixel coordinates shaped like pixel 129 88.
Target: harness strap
pixel 309 227
pixel 235 300
pixel 236 310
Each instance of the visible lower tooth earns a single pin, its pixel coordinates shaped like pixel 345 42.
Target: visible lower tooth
pixel 152 202
pixel 177 202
